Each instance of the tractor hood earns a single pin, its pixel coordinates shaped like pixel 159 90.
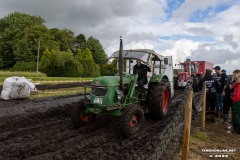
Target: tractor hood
pixel 111 80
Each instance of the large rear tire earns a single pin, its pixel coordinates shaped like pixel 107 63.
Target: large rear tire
pixel 79 117
pixel 159 96
pixel 132 120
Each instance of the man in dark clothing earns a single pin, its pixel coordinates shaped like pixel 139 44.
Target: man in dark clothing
pixel 223 81
pixel 141 70
pixel 227 101
pixel 212 86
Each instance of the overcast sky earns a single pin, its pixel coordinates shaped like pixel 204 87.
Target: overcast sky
pixel 196 29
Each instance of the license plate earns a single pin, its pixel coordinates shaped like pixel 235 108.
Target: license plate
pixel 98 100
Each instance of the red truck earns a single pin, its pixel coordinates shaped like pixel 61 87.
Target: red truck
pixel 191 72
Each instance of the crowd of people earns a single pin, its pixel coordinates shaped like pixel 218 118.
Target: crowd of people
pixel 222 93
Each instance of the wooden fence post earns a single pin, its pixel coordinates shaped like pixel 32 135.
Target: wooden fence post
pixel 187 126
pixel 204 107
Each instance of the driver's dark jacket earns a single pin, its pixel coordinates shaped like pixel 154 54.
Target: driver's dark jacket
pixel 142 72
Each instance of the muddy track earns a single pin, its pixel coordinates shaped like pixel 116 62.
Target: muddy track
pixel 42 129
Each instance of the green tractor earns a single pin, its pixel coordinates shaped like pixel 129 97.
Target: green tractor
pixel 119 95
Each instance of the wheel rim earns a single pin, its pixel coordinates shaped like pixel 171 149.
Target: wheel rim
pixel 85 117
pixel 133 121
pixel 165 100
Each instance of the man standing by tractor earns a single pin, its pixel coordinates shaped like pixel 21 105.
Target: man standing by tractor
pixel 141 70
pixel 223 81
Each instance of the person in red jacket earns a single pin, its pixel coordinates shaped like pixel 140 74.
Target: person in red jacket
pixel 236 101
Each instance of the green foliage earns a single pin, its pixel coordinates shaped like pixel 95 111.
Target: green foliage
pixel 24 66
pixel 97 51
pixel 64 38
pixel 175 72
pixel 80 42
pixel 7 73
pixel 11 27
pixel 19 37
pixel 109 69
pixel 22 52
pixel 61 64
pixel 90 69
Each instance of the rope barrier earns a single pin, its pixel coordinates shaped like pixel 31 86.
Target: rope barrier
pixel 60 81
pixel 53 92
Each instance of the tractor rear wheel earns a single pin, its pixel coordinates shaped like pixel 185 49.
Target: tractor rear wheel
pixel 132 120
pixel 79 117
pixel 159 95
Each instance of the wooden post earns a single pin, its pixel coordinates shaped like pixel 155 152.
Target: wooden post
pixel 187 126
pixel 204 107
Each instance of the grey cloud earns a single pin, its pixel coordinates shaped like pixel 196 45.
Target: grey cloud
pixel 229 39
pixel 103 19
pixel 216 56
pixel 199 31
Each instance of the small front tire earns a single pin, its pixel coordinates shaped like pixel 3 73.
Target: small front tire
pixel 132 119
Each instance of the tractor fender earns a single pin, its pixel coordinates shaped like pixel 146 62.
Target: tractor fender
pixel 158 78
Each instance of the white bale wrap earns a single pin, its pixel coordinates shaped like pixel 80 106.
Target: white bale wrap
pixel 16 88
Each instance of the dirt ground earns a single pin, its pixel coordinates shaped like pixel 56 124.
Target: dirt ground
pixel 42 129
pixel 216 136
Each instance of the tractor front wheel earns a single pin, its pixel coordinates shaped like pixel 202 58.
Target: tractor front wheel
pixel 132 120
pixel 80 117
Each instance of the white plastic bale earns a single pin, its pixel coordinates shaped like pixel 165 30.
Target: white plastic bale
pixel 5 94
pixel 16 88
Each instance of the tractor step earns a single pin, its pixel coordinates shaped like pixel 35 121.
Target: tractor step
pixel 113 108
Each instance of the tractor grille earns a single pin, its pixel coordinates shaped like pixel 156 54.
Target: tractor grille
pixel 99 91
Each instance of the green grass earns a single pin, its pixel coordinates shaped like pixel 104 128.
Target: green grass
pixel 41 94
pixel 7 73
pixel 41 77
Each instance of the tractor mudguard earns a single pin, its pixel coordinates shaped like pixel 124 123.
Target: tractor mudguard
pixel 157 78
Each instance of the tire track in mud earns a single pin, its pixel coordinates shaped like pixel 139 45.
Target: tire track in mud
pixel 45 131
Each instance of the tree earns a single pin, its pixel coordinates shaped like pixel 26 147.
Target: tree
pixel 64 38
pixel 80 41
pixel 10 26
pixel 109 69
pixel 97 51
pixel 90 69
pixel 60 63
pixel 22 52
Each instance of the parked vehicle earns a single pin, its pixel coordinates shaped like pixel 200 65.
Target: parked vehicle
pixel 191 73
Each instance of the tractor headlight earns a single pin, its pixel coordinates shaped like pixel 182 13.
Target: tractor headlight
pixel 119 97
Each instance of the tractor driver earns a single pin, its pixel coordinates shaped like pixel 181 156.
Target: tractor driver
pixel 141 70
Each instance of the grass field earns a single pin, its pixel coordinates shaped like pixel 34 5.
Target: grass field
pixel 57 92
pixel 41 77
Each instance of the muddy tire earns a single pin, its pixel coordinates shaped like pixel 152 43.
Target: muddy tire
pixel 158 99
pixel 195 84
pixel 175 83
pixel 79 118
pixel 131 120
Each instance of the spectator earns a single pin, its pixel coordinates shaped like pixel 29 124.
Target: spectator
pixel 223 81
pixel 227 99
pixel 236 102
pixel 212 86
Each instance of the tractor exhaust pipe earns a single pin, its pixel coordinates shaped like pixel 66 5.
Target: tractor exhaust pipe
pixel 120 64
